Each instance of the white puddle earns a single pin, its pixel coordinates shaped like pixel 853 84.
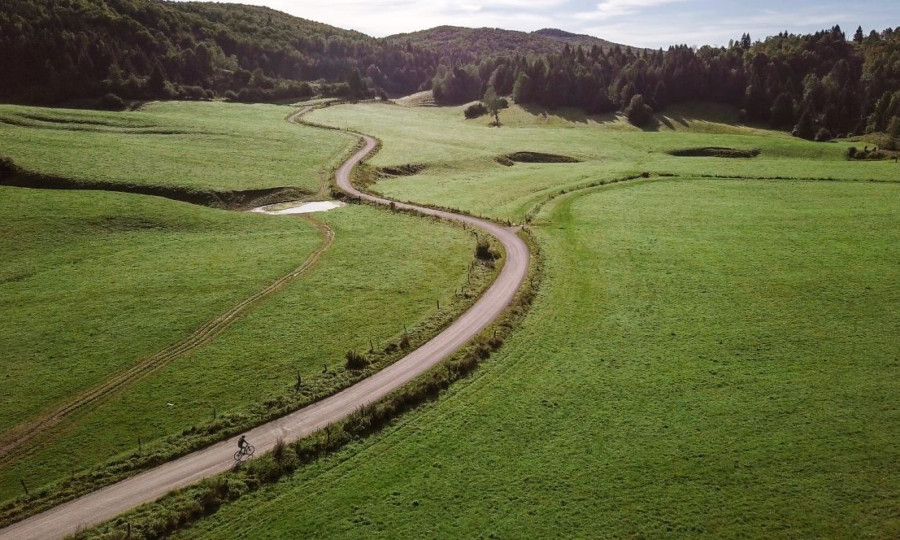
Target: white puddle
pixel 305 208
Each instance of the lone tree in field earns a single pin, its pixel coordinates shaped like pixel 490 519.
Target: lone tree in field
pixel 493 104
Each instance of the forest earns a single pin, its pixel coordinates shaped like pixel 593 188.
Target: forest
pixel 820 86
pixel 52 51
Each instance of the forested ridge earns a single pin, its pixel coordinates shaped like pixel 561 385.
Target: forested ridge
pixel 55 50
pixel 819 85
pixel 466 45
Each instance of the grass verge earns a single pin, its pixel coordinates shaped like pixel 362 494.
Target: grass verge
pixel 179 509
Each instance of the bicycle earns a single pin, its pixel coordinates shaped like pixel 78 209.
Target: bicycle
pixel 246 451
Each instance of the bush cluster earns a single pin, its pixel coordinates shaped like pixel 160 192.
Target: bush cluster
pixel 475 110
pixel 355 361
pixel 484 251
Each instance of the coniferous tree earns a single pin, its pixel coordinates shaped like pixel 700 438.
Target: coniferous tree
pixel 805 128
pixel 782 111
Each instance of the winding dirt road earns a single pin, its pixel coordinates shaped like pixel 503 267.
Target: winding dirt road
pixel 148 486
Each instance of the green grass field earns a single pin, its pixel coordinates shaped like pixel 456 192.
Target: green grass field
pixel 202 146
pixel 94 282
pixel 106 279
pixel 459 154
pixel 706 357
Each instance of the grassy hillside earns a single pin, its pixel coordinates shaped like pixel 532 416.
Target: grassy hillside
pixel 149 49
pixel 459 173
pixel 196 146
pixel 707 358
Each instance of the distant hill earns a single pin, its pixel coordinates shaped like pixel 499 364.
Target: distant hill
pixel 467 43
pixel 582 40
pixel 818 85
pixel 51 51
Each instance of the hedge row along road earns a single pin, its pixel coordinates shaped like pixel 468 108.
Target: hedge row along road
pixel 148 486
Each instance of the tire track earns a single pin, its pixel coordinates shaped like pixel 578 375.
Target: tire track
pixel 16 439
pixel 110 501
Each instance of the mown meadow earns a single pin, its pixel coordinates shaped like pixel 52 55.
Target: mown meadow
pixel 709 354
pixel 460 155
pixel 194 145
pixel 94 282
pixel 706 358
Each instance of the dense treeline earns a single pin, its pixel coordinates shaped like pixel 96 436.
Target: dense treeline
pixel 458 45
pixel 54 50
pixel 819 85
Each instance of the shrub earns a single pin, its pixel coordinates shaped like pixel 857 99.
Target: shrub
pixel 503 102
pixel 355 360
pixel 638 112
pixel 483 250
pixel 475 110
pixel 278 450
pixel 851 152
pixel 230 95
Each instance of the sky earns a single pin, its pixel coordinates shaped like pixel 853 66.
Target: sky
pixel 641 23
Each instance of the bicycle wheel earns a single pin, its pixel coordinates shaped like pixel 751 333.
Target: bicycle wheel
pixel 238 455
pixel 249 449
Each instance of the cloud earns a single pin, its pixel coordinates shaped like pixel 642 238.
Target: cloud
pixel 642 23
pixel 611 9
pixel 385 17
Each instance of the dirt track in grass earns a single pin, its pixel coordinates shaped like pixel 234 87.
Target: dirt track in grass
pixel 111 501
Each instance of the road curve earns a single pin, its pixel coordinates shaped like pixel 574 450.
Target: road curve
pixel 109 502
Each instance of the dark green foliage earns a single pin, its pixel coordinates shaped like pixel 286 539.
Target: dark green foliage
pixel 355 361
pixel 484 251
pixel 457 85
pixel 772 81
pixel 475 110
pixel 823 135
pixel 805 129
pixel 638 112
pixel 782 111
pixel 492 102
pixel 143 49
pixel 872 154
pixel 111 102
pixel 469 45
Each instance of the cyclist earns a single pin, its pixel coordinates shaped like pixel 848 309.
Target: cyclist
pixel 242 442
